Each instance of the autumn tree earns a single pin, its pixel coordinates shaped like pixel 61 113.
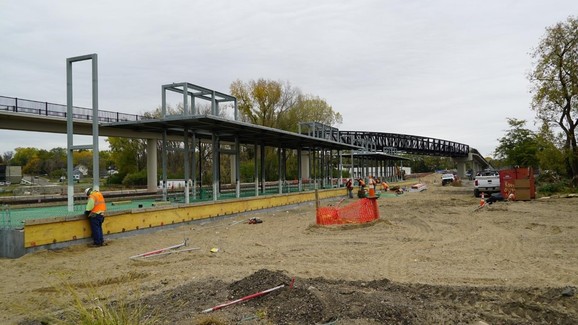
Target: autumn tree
pixel 84 158
pixel 23 156
pixel 554 80
pixel 263 102
pixel 309 108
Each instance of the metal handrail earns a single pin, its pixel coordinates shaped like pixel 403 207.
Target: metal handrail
pixel 33 107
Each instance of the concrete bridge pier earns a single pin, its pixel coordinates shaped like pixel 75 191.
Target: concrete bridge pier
pixel 151 165
pixel 476 166
pixel 461 165
pixel 305 163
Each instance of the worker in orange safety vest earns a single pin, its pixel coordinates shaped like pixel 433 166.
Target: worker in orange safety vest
pixel 95 209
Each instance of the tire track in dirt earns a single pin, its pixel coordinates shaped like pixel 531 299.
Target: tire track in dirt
pixel 412 234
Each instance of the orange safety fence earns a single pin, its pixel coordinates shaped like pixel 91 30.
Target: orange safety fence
pixel 360 211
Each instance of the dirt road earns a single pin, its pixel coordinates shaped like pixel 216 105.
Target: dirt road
pixel 432 257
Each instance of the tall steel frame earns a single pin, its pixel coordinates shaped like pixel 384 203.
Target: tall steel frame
pixel 70 126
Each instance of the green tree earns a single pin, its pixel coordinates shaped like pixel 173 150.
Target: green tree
pixel 6 157
pixel 555 85
pixel 55 164
pixel 127 154
pixel 519 146
pixel 423 164
pixel 105 159
pixel 550 155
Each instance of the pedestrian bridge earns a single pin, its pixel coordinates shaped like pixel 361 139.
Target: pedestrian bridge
pixel 31 115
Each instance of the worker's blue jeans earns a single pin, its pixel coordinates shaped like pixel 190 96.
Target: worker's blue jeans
pixel 96 221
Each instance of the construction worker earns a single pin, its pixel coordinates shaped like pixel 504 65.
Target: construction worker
pixel 349 186
pixel 384 186
pixel 361 192
pixel 95 208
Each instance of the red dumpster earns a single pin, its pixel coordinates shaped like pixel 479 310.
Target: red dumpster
pixel 518 181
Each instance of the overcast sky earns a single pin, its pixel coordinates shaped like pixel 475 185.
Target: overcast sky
pixel 447 69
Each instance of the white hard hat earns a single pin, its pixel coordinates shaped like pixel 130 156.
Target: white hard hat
pixel 87 191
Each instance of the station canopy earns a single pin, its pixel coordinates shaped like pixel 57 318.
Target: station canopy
pixel 204 126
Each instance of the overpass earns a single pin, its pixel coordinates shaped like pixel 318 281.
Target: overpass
pixel 30 115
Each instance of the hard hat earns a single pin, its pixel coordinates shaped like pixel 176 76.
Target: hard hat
pixel 87 191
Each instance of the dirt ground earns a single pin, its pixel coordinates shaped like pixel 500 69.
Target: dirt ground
pixel 432 258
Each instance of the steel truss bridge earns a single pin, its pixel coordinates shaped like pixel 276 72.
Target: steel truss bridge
pixel 390 143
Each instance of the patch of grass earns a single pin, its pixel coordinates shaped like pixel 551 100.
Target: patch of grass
pixel 90 308
pixel 559 187
pixel 210 320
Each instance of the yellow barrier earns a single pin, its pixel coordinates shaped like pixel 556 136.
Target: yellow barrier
pixel 60 229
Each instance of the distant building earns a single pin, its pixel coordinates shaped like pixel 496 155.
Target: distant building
pixel 82 169
pixel 12 174
pixel 77 175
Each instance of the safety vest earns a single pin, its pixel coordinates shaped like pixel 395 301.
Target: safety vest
pixel 99 205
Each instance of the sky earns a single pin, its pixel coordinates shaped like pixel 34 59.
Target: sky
pixel 445 69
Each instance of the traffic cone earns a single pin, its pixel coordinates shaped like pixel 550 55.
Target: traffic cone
pixel 482 200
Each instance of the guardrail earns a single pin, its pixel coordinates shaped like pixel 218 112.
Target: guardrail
pixel 32 107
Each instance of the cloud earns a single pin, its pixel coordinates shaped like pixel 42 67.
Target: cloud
pixel 445 69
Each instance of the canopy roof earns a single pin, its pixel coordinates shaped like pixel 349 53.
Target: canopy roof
pixel 204 126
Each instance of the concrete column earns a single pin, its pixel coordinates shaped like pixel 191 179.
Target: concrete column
pixel 305 162
pixel 152 165
pixel 12 243
pixel 461 164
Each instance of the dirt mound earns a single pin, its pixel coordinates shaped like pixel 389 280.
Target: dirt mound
pixel 322 301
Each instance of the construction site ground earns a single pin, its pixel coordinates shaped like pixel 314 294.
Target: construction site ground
pixel 433 257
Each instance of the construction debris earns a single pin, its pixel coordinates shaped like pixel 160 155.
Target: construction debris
pixel 159 251
pixel 249 297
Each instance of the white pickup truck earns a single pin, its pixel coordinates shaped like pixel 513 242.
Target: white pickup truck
pixel 487 181
pixel 448 179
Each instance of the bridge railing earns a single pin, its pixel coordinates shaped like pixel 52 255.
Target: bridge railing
pixel 32 107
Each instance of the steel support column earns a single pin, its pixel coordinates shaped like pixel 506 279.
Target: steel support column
pixel 70 127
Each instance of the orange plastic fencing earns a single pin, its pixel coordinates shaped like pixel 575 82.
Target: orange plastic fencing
pixel 360 211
